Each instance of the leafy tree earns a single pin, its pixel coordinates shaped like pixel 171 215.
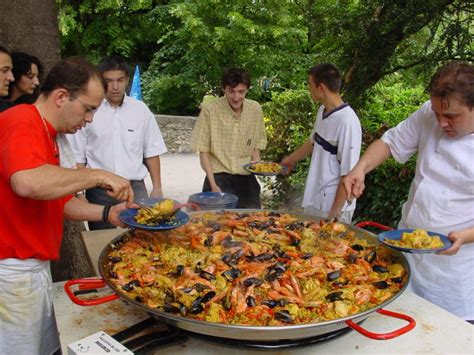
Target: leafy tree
pixel 94 28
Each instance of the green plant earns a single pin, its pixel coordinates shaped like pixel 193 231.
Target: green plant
pixel 289 119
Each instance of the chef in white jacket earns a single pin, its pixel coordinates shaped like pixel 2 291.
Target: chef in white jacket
pixel 441 196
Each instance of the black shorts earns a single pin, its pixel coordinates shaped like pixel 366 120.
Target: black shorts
pixel 245 187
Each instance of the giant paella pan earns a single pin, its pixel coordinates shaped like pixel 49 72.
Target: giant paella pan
pixel 255 275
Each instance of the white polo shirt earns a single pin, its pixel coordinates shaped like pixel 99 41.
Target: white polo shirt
pixel 119 138
pixel 441 199
pixel 336 138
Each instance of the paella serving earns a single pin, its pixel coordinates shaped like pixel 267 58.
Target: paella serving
pixel 259 268
pixel 417 239
pixel 265 168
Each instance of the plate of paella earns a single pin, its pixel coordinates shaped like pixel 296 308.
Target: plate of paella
pixel 416 241
pixel 266 168
pixel 155 215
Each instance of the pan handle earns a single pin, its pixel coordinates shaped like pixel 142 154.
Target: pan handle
pixel 384 336
pixel 373 224
pixel 87 284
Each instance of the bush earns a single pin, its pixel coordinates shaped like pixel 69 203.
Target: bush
pixel 290 117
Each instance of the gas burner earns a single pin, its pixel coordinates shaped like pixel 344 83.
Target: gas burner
pixel 271 345
pixel 152 334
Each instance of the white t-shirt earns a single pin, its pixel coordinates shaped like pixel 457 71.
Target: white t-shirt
pixel 441 199
pixel 119 138
pixel 336 141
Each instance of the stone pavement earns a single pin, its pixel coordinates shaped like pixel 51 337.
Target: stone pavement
pixel 181 176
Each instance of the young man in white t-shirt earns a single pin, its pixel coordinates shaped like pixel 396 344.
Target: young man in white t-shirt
pixel 334 144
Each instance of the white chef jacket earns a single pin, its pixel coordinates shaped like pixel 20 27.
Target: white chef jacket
pixel 336 139
pixel 119 138
pixel 441 199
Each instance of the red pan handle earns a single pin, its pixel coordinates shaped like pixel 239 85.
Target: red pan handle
pixel 85 284
pixel 384 336
pixel 373 224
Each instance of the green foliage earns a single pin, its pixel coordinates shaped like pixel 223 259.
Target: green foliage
pixel 211 35
pixel 289 118
pixel 386 188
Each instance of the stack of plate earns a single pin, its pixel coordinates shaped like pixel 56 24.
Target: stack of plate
pixel 214 200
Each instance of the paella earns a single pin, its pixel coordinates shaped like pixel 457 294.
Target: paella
pixel 260 268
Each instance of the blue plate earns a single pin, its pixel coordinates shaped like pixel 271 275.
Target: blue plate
pixel 397 234
pixel 128 217
pixel 284 169
pixel 215 199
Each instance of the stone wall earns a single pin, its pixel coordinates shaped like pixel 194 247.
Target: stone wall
pixel 176 131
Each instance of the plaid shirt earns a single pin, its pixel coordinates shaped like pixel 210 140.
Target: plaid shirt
pixel 229 139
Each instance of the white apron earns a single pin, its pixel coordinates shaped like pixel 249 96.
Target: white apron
pixel 445 280
pixel 27 321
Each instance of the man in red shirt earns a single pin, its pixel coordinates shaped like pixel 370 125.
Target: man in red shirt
pixel 37 194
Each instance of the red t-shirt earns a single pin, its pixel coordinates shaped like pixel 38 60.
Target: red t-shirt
pixel 28 228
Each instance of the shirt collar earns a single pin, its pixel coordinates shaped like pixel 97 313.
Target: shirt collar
pixel 123 103
pixel 340 107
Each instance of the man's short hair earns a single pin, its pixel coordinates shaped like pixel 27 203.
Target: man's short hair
pixel 326 74
pixel 72 74
pixel 235 76
pixel 455 79
pixel 114 62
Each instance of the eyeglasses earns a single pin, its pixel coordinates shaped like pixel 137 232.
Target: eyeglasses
pixel 90 110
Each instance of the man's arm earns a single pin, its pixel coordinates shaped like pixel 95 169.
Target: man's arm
pixel 374 156
pixel 49 182
pixel 303 151
pixel 153 165
pixel 206 166
pixel 339 200
pixel 255 156
pixel 80 210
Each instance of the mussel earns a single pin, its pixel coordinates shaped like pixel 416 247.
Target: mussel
pixel 333 275
pixel 115 259
pixel 334 296
pixel 231 274
pixel 284 316
pixel 131 285
pixel 253 281
pixel 208 296
pixel 357 247
pixel 397 280
pixel 379 269
pixel 380 284
pixel 207 275
pixel 200 287
pixel 251 301
pixel 370 257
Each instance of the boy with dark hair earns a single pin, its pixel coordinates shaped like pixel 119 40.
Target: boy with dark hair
pixel 229 133
pixel 441 196
pixel 334 143
pixel 123 139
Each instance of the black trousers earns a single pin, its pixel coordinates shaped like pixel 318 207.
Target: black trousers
pixel 245 187
pixel 100 197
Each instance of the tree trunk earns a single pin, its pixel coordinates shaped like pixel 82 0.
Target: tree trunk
pixel 31 26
